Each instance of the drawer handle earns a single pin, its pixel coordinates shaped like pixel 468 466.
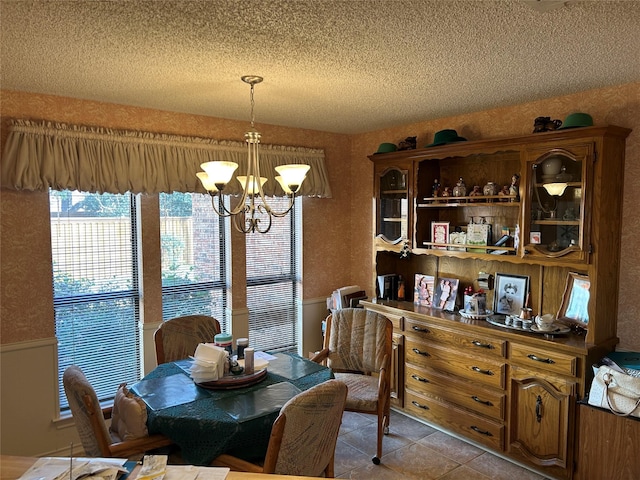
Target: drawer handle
pixel 479 370
pixel 484 402
pixel 478 343
pixel 420 379
pixel 538 359
pixel 481 432
pixel 424 407
pixel 420 352
pixel 421 329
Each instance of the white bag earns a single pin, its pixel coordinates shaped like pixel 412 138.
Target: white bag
pixel 616 391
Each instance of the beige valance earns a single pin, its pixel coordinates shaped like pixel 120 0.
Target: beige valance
pixel 39 155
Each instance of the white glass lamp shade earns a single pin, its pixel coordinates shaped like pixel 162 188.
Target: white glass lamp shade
pixel 293 175
pixel 219 173
pixel 207 183
pixel 253 187
pixel 556 189
pixel 284 186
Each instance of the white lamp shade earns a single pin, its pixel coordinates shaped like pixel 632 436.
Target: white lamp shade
pixel 284 186
pixel 219 172
pixel 556 189
pixel 253 187
pixel 293 175
pixel 208 185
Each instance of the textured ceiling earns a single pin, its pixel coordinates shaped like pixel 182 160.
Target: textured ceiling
pixel 339 66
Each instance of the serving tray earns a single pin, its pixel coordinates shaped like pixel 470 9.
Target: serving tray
pixel 229 382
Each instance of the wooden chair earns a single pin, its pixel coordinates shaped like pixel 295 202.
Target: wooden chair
pixel 358 343
pixel 90 419
pixel 303 437
pixel 179 337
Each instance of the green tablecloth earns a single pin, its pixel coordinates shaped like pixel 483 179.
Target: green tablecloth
pixel 205 423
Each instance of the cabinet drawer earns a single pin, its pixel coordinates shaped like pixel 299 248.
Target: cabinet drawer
pixel 474 427
pixel 470 343
pixel 467 395
pixel 534 357
pixel 478 369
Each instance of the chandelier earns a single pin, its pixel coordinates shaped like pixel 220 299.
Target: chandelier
pixel 249 215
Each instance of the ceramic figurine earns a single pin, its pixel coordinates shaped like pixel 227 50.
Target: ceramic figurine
pixel 490 189
pixel 513 188
pixel 475 192
pixel 460 190
pixel 435 189
pixel 504 192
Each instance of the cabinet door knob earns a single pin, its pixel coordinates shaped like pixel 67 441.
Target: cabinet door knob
pixel 484 402
pixel 478 343
pixel 539 409
pixel 420 352
pixel 479 370
pixel 538 359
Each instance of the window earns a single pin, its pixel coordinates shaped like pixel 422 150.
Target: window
pixel 95 283
pixel 194 275
pixel 273 276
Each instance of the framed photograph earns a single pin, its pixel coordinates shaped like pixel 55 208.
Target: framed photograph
pixel 423 290
pixel 440 234
pixel 446 294
pixel 575 301
pixel 534 237
pixel 510 294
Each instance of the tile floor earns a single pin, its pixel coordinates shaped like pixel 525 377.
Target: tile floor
pixel 413 450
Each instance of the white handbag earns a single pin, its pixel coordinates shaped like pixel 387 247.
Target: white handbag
pixel 616 391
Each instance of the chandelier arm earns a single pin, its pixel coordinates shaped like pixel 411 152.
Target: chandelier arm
pixel 223 212
pixel 292 197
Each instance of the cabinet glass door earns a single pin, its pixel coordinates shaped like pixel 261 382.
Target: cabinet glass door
pixel 558 212
pixel 394 206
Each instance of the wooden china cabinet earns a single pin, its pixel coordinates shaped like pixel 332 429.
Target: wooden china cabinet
pixel 509 390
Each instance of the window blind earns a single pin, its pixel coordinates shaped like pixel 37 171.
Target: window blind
pixel 272 270
pixel 96 294
pixel 194 277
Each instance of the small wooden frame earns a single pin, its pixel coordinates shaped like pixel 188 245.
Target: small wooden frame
pixel 575 301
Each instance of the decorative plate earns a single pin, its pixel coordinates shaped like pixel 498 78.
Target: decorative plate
pixel 559 330
pixel 475 315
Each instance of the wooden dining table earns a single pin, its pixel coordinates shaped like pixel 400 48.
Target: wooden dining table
pixel 206 422
pixel 12 468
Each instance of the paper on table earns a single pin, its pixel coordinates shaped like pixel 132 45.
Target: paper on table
pixel 191 472
pixel 50 468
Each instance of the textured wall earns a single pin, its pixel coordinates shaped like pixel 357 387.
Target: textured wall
pixel 25 307
pixel 337 232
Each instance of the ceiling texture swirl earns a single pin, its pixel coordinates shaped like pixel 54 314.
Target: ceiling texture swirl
pixel 345 66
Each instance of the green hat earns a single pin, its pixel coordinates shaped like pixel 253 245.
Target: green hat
pixel 387 148
pixel 445 136
pixel 575 120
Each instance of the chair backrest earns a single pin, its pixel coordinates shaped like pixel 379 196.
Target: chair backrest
pixel 303 437
pixel 87 413
pixel 179 337
pixel 358 340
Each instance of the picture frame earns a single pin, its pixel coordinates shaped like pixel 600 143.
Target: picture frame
pixel 446 294
pixel 423 290
pixel 575 300
pixel 440 235
pixel 510 294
